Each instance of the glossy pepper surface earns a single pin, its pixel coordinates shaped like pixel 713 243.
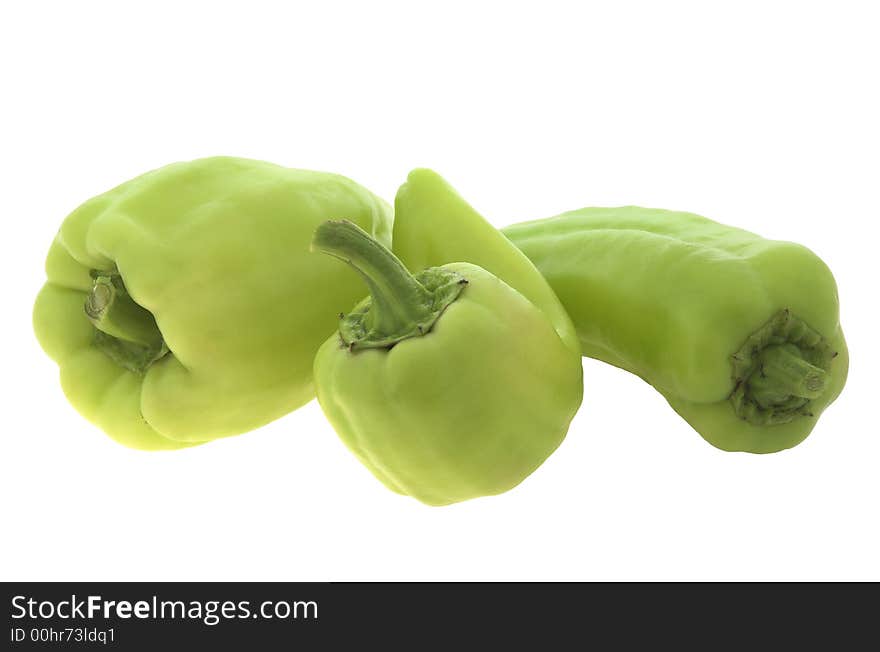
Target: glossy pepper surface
pixel 740 334
pixel 448 384
pixel 184 305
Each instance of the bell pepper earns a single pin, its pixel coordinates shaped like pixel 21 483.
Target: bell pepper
pixel 184 305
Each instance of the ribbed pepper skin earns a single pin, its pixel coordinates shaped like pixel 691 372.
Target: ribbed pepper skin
pixel 217 250
pixel 672 297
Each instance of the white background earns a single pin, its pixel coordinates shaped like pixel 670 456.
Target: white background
pixel 763 115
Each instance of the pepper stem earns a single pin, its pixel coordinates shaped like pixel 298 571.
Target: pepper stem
pixel 113 312
pixel 784 374
pixel 401 305
pixel 125 331
pixel 779 370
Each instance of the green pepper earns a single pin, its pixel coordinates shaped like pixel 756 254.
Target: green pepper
pixel 740 334
pixel 448 384
pixel 477 382
pixel 434 225
pixel 184 305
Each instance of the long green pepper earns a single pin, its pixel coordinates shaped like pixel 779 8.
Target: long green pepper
pixel 740 334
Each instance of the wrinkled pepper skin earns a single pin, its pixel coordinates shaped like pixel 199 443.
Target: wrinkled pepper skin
pixel 447 385
pixel 740 334
pixel 184 305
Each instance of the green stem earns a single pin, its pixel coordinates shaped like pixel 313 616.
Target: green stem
pixel 401 305
pixel 785 374
pixel 399 301
pixel 126 332
pixel 113 312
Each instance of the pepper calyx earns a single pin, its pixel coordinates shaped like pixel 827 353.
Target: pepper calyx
pixel 401 305
pixel 779 371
